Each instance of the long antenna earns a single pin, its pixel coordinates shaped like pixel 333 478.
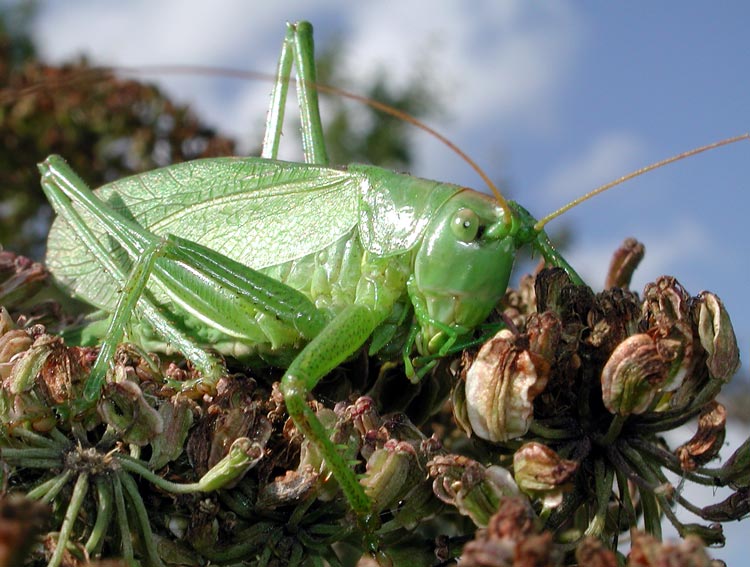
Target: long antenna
pixel 725 142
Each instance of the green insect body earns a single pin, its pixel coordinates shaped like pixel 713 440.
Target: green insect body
pixel 300 263
pixel 360 235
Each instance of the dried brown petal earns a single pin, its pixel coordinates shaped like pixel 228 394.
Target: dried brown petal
pixel 514 519
pixel 717 337
pixel 707 441
pixel 501 385
pixel 544 331
pixel 535 551
pixel 541 473
pixel 488 553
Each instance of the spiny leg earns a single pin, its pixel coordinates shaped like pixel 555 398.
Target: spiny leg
pixel 221 292
pixel 342 337
pixel 56 172
pixel 297 49
pixel 126 303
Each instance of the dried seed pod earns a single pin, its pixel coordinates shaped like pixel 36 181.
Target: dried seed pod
pixel 26 367
pixel 541 473
pixel 667 315
pixel 717 336
pixel 234 412
pixel 124 407
pixel 633 376
pixel 177 416
pixel 511 539
pixel 476 491
pixel 624 262
pixel 391 473
pixel 736 471
pixel 707 441
pixel 591 552
pixel 666 297
pixel 501 385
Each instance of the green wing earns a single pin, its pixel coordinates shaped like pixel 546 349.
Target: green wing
pixel 258 212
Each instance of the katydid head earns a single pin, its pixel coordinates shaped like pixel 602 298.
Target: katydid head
pixel 462 267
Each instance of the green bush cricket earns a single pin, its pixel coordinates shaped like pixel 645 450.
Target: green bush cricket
pixel 299 263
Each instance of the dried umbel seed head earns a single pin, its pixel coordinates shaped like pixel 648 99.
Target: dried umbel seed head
pixel 717 336
pixel 476 491
pixel 541 473
pixel 501 385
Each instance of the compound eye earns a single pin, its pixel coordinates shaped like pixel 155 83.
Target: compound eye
pixel 465 225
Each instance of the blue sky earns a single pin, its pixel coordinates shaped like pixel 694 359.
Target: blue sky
pixel 555 98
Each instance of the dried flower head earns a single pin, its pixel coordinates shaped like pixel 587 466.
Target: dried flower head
pixel 476 491
pixel 541 473
pixel 501 385
pixel 717 336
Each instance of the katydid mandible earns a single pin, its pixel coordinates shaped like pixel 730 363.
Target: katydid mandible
pixel 301 264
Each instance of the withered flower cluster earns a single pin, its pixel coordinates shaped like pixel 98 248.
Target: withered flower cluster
pixel 580 391
pixel 551 451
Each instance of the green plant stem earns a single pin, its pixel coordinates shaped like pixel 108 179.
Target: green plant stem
pixel 104 507
pixel 71 514
pixel 140 511
pixel 47 491
pixel 28 435
pixel 122 522
pixel 603 476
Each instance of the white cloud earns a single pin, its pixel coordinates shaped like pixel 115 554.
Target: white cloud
pixel 611 155
pixel 495 63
